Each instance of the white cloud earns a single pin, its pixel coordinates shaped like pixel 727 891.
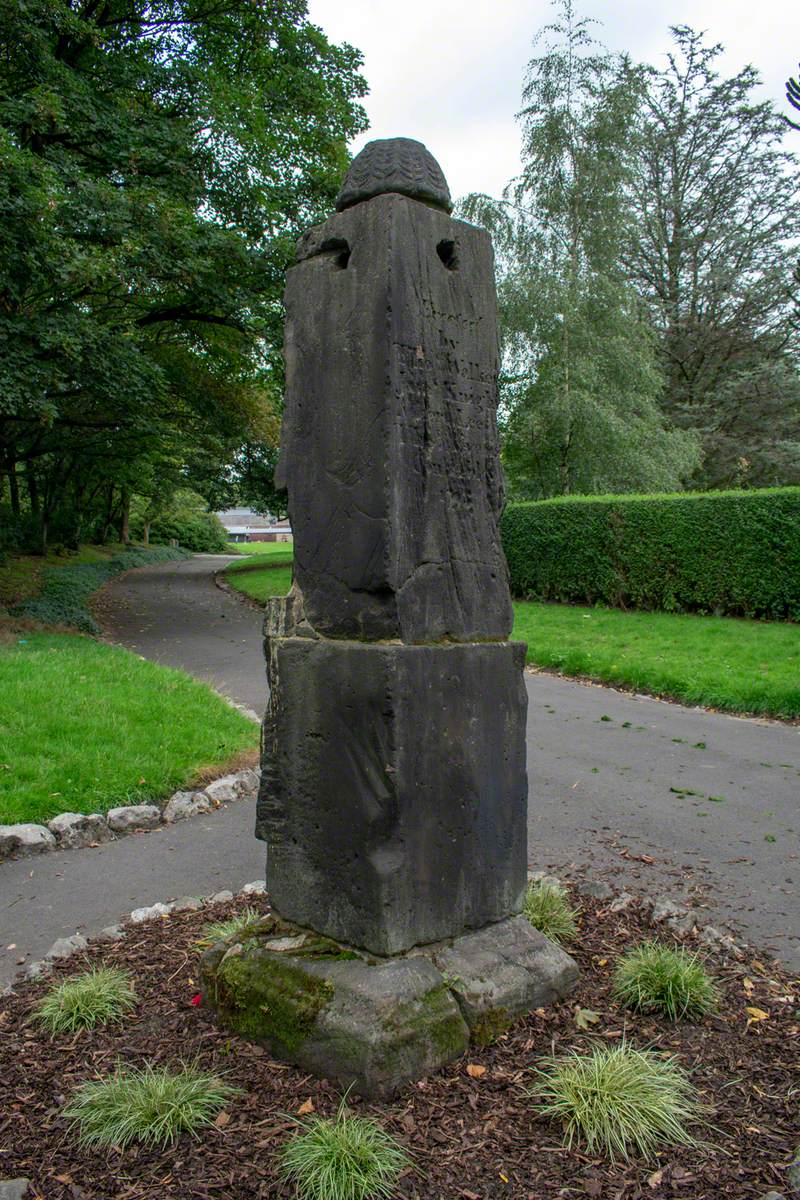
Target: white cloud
pixel 450 72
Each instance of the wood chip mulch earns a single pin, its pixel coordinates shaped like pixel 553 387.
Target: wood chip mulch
pixel 472 1136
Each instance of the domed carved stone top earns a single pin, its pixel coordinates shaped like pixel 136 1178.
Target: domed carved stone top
pixel 394 165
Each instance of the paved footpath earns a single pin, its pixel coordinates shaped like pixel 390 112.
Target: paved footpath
pixel 612 776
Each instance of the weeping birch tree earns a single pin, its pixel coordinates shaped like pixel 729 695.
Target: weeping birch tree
pixel 581 380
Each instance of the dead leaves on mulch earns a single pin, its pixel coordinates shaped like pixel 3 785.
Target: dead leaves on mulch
pixel 470 1127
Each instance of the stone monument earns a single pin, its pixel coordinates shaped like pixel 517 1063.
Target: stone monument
pixel 394 793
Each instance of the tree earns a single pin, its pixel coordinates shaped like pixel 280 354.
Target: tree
pixel 715 197
pixel 580 381
pixel 157 160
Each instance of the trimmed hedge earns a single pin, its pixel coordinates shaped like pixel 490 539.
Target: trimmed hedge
pixel 62 599
pixel 733 553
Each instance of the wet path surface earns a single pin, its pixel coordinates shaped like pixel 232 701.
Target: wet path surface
pixel 714 800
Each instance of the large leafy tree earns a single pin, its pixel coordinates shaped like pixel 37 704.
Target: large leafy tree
pixel 713 255
pixel 157 160
pixel 580 382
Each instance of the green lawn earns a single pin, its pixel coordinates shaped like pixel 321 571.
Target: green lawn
pixel 274 551
pixel 719 662
pixel 85 726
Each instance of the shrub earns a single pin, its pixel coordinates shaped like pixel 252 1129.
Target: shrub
pixel 97 997
pixel 343 1158
pixel 734 553
pixel 62 599
pixel 220 930
pixel 615 1099
pixel 548 909
pixel 149 1104
pixel 656 978
pixel 188 521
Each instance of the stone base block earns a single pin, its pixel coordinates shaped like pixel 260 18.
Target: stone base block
pixel 502 971
pixel 377 1024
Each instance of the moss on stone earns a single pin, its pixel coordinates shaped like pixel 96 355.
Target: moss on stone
pixel 432 1017
pixel 490 1025
pixel 262 995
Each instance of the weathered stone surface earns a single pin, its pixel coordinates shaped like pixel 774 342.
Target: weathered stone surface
pixel 24 840
pixel 392 305
pixel 396 815
pixel 394 165
pixel 109 933
pixel 502 971
pixel 14 1189
pixel 257 888
pixel 597 889
pixel 129 817
pixel 150 912
pixel 185 804
pixel 793 1174
pixel 75 830
pixel 66 946
pixel 370 1027
pixel 223 791
pixel 187 904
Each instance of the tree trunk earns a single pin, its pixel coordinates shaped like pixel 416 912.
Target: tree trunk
pixel 13 488
pixel 125 526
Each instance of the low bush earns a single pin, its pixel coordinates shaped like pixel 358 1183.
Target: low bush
pixel 343 1158
pixel 99 996
pixel 728 553
pixel 657 978
pixel 151 1105
pixel 65 590
pixel 548 909
pixel 616 1099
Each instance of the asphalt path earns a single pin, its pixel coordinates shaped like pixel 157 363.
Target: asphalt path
pixel 712 799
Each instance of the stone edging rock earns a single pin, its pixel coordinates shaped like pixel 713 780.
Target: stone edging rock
pixel 74 831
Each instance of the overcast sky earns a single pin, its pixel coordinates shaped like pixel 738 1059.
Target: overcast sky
pixel 449 72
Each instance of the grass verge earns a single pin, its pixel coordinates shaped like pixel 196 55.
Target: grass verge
pixel 718 662
pixel 85 726
pixel 265 552
pixel 63 591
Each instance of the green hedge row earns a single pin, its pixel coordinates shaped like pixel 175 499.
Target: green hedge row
pixel 733 553
pixel 66 590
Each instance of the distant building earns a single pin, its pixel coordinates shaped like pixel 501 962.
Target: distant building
pixel 244 525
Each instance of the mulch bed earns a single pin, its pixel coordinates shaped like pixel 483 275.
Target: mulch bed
pixel 471 1138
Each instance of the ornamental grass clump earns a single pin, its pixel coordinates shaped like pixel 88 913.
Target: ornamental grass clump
pixel 98 996
pixel 657 978
pixel 548 909
pixel 343 1158
pixel 616 1099
pixel 221 930
pixel 148 1104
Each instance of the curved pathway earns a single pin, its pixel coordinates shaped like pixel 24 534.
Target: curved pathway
pixel 712 799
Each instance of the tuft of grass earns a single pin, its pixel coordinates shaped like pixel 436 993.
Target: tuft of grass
pixel 343 1158
pixel 218 931
pixel 150 1104
pixel 85 726
pixel 98 996
pixel 548 909
pixel 657 978
pixel 616 1099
